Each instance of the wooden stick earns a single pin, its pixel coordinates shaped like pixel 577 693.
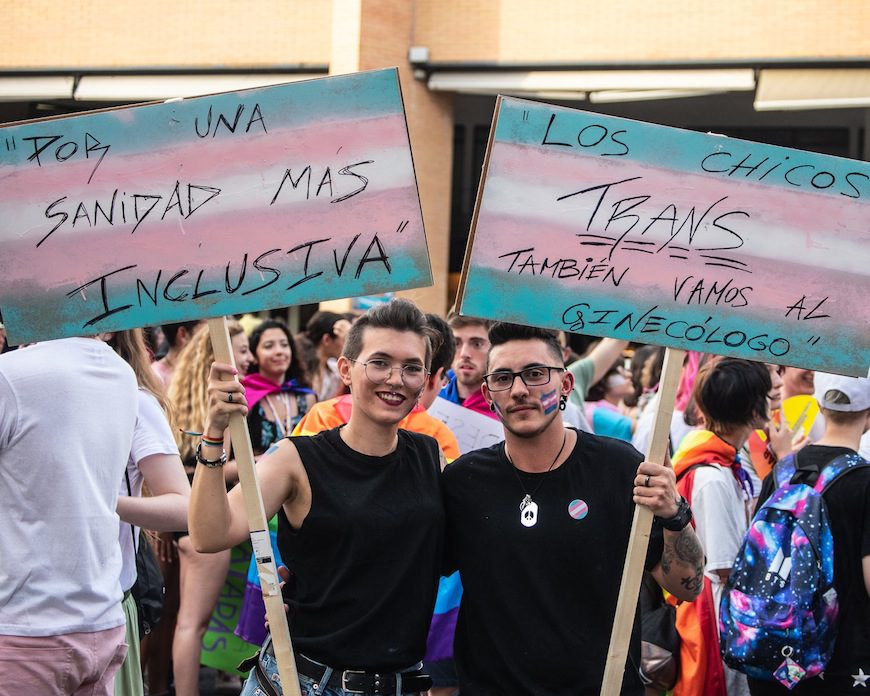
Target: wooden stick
pixel 629 589
pixel 258 525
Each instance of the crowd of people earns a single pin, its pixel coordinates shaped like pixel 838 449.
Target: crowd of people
pixel 412 566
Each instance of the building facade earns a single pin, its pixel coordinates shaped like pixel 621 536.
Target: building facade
pixel 786 72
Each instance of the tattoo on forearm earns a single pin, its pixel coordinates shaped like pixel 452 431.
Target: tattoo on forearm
pixel 667 558
pixel 694 583
pixel 688 548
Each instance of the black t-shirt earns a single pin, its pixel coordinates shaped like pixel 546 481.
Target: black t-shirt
pixel 848 504
pixel 367 557
pixel 539 602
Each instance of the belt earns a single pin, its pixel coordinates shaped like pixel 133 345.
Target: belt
pixel 356 681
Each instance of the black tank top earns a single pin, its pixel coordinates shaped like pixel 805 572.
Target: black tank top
pixel 367 557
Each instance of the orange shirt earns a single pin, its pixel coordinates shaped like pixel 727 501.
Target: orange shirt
pixel 329 414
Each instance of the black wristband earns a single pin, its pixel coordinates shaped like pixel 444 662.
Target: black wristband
pixel 678 522
pixel 210 463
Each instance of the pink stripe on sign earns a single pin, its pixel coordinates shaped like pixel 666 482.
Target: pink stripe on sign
pixel 578 509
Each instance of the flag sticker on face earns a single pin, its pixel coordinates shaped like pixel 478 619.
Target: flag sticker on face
pixel 578 509
pixel 550 401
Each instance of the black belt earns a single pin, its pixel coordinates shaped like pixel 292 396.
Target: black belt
pixel 353 681
pixel 356 681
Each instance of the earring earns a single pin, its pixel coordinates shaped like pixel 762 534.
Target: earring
pixel 492 406
pixel 563 402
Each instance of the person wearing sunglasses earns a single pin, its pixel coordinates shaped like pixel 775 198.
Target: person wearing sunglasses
pixel 360 517
pixel 538 527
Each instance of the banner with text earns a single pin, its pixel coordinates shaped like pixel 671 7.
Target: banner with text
pixel 606 226
pixel 208 206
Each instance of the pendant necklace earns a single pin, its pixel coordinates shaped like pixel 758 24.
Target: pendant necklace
pixel 283 427
pixel 528 507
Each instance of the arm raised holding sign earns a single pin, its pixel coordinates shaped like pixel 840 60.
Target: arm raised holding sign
pixel 360 519
pixel 537 527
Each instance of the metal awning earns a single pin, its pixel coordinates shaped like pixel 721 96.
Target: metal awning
pixel 597 85
pixel 141 86
pixel 23 89
pixel 833 88
pixel 137 88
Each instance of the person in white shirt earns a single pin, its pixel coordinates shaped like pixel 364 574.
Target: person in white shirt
pixel 68 410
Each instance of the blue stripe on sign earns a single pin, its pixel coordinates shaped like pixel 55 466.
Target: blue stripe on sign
pixel 589 134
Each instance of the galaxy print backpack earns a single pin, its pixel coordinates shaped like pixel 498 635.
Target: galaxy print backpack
pixel 777 619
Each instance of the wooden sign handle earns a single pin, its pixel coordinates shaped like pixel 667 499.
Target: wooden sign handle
pixel 258 525
pixel 629 589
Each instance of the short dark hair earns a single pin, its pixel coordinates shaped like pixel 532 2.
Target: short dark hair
pixel 442 356
pixel 170 331
pixel 501 332
pixel 398 314
pixel 731 392
pixel 320 324
pixel 296 370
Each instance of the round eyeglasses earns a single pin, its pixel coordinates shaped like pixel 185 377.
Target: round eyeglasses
pixel 378 371
pixel 536 376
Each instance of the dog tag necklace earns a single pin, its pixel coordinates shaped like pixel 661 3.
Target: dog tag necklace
pixel 528 507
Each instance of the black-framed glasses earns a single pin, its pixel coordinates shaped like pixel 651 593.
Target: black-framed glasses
pixel 536 376
pixel 378 371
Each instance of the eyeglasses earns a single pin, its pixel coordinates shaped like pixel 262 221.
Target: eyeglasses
pixel 379 371
pixel 532 377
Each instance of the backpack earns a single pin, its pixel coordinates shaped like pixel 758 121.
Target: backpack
pixel 777 618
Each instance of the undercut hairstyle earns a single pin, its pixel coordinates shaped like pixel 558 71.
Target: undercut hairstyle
pixel 398 314
pixel 459 321
pixel 731 393
pixel 443 354
pixel 501 332
pixel 835 396
pixel 321 324
pixel 296 370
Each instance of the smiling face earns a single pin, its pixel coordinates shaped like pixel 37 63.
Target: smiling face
pixel 774 396
pixel 241 352
pixel 273 354
pixel 389 402
pixel 528 411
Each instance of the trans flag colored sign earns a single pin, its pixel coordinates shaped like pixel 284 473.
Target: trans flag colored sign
pixel 611 227
pixel 208 206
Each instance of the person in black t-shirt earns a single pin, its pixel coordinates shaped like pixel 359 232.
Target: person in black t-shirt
pixel 360 518
pixel 538 527
pixel 846 407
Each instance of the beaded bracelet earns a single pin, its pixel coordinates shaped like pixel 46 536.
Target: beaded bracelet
pixel 210 463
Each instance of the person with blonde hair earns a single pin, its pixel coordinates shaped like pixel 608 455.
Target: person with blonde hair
pixel 201 575
pixel 154 462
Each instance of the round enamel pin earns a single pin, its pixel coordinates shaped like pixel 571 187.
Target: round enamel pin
pixel 578 509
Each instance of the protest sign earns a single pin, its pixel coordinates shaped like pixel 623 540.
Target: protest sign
pixel 222 649
pixel 472 430
pixel 208 206
pixel 606 226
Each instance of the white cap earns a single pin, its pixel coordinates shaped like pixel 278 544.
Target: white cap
pixel 856 389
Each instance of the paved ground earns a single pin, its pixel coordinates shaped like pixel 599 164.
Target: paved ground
pixel 211 684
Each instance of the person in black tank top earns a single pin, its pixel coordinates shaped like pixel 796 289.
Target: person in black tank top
pixel 360 518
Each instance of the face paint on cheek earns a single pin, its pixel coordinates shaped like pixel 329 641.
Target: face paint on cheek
pixel 550 401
